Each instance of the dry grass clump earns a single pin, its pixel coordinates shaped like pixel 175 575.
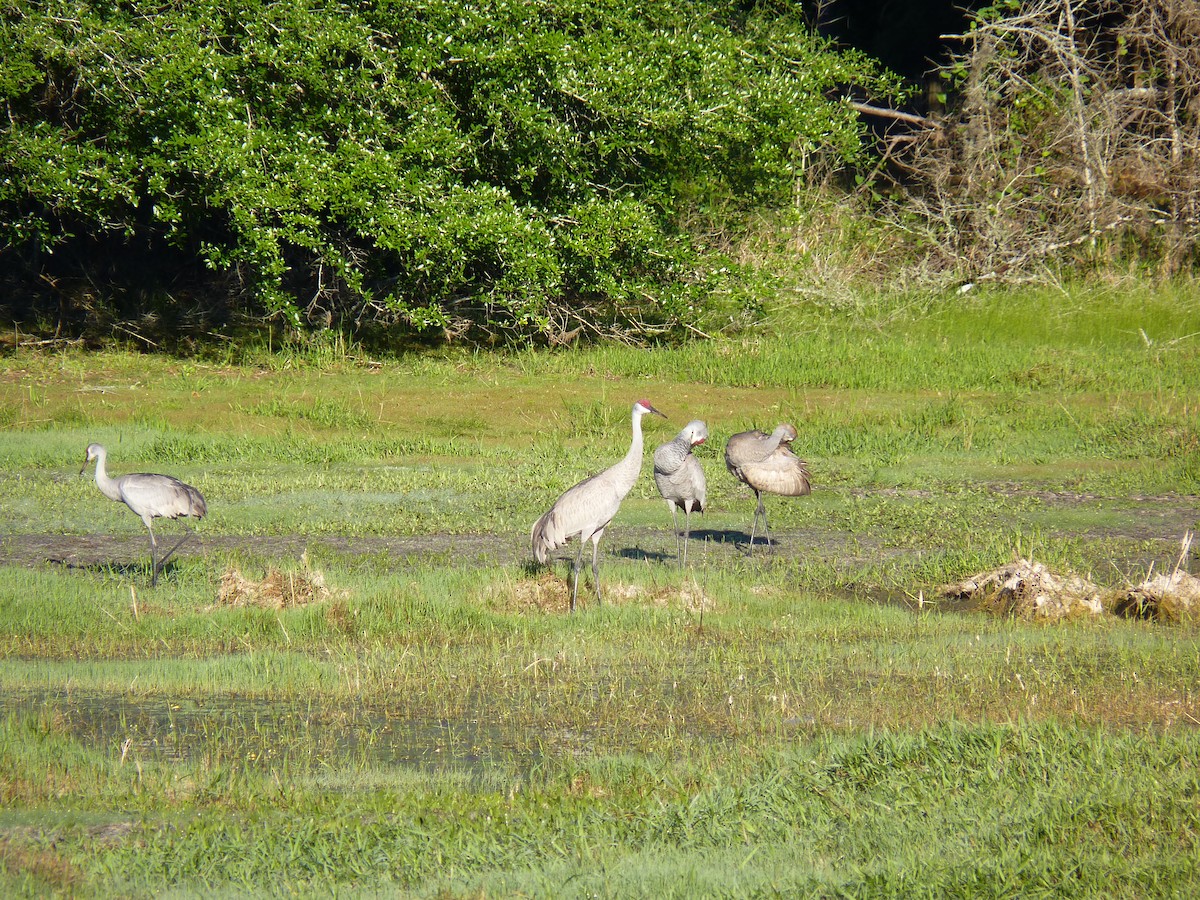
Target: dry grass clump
pixel 1167 598
pixel 695 599
pixel 1028 590
pixel 278 590
pixel 546 592
pixel 689 594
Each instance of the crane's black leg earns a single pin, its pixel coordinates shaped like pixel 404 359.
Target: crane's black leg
pixel 766 531
pixel 675 528
pixel 687 533
pixel 179 543
pixel 575 581
pixel 754 524
pixel 596 566
pixel 153 563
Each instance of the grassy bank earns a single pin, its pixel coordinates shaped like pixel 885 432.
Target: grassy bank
pixel 812 721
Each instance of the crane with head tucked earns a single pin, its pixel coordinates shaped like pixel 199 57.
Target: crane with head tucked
pixel 767 464
pixel 150 497
pixel 680 480
pixel 585 510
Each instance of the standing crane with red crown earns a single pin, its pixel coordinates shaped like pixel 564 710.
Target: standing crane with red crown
pixel 586 509
pixel 680 480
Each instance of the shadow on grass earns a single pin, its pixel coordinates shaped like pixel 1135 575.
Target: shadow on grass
pixel 644 555
pixel 136 571
pixel 721 536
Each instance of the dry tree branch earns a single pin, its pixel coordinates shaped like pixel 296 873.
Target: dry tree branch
pixel 1057 142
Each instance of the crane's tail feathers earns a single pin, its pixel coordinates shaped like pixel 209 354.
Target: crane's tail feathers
pixel 199 508
pixel 803 487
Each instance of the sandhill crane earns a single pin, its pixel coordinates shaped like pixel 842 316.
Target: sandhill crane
pixel 150 497
pixel 680 480
pixel 766 463
pixel 585 510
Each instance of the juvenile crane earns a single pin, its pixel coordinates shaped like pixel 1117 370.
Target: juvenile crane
pixel 585 510
pixel 150 497
pixel 767 464
pixel 680 480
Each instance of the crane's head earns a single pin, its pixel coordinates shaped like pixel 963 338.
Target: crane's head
pixel 786 432
pixel 696 431
pixel 643 406
pixel 94 451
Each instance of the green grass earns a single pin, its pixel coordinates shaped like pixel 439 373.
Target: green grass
pixel 813 723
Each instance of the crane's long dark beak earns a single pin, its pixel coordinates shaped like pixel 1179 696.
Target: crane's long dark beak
pixel 657 413
pixel 85 465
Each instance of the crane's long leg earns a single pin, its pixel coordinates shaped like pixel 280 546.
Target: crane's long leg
pixel 179 543
pixel 762 510
pixel 754 524
pixel 687 532
pixel 596 563
pixel 153 563
pixel 675 528
pixel 575 581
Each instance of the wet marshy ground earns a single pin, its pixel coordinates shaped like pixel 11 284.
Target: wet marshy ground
pixel 298 734
pixel 1140 531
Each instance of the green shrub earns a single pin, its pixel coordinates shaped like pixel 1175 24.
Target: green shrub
pixel 481 167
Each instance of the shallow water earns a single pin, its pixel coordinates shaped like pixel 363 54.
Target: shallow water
pixel 269 733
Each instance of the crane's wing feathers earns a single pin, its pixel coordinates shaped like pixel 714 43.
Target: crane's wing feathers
pixel 782 473
pixel 669 458
pixel 746 447
pixel 581 511
pixel 684 483
pixel 161 496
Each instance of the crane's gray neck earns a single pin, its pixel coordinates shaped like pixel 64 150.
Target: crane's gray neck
pixel 773 441
pixel 675 451
pixel 107 486
pixel 631 466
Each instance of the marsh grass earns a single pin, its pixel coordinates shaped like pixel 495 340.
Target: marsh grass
pixel 811 721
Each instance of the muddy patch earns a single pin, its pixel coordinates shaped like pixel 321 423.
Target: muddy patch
pixel 298 733
pixel 106 552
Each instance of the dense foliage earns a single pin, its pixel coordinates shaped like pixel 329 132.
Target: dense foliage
pixel 516 167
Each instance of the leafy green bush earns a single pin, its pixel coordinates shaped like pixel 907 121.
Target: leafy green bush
pixel 487 166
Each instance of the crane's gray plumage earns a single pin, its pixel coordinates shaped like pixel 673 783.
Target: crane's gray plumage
pixel 585 510
pixel 680 480
pixel 150 497
pixel 767 464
